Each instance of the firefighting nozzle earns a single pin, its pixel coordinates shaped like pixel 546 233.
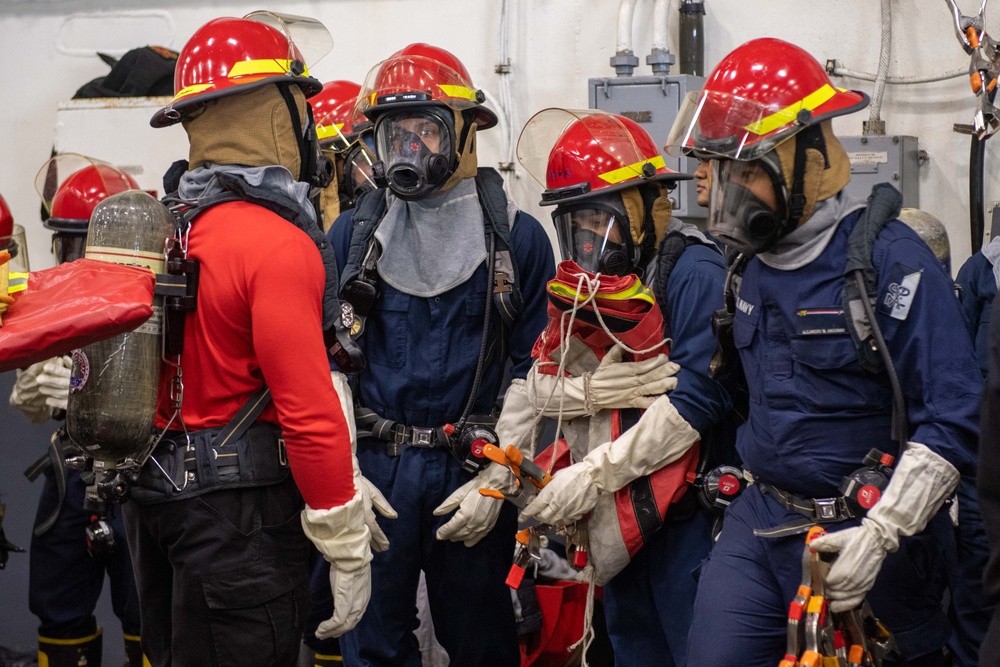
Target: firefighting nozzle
pixel 529 476
pixel 721 486
pixel 113 387
pixel 100 537
pixel 863 487
pixel 817 636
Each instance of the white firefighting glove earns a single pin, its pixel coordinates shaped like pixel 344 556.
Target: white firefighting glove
pixel 614 384
pixel 476 513
pixel 920 484
pixel 661 436
pixel 342 536
pixel 373 498
pixel 38 391
pixel 53 383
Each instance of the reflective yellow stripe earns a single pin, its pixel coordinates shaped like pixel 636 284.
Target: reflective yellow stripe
pixel 244 68
pixel 18 282
pixel 616 176
pixel 460 92
pixel 787 115
pixel 269 66
pixel 332 130
pixel 192 89
pixel 636 291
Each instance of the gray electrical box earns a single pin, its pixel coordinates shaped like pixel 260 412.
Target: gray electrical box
pixel 884 159
pixel 653 102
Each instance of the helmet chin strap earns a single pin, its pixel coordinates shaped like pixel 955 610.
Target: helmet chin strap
pixel 315 168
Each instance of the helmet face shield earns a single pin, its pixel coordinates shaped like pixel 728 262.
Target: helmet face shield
pixel 71 185
pixel 68 247
pixel 417 148
pixel 308 40
pixel 712 123
pixel 746 210
pixel 358 161
pixel 594 236
pixel 575 152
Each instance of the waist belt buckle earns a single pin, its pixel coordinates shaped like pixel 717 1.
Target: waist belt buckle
pixel 826 508
pixel 422 437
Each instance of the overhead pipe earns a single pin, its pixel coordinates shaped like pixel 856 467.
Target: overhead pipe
pixel 625 61
pixel 660 59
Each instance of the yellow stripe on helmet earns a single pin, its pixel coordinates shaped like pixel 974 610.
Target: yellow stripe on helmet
pixel 460 92
pixel 788 115
pixel 268 66
pixel 331 130
pixel 191 90
pixel 616 176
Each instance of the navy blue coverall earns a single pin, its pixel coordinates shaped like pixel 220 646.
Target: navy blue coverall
pixel 422 355
pixel 813 415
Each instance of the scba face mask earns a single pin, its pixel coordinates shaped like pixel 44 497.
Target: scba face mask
pixel 746 210
pixel 417 150
pixel 591 235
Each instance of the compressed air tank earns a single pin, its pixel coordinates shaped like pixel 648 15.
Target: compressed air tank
pixel 113 386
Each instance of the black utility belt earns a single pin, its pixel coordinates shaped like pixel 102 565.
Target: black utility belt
pixel 465 443
pixel 814 511
pixel 177 470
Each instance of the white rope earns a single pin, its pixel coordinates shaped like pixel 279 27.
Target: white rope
pixel 587 638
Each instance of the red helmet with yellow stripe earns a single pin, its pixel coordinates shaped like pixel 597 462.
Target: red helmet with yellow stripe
pixel 72 185
pixel 333 108
pixel 574 154
pixel 423 75
pixel 231 55
pixel 758 96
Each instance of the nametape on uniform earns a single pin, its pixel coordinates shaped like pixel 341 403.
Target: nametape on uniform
pixel 898 297
pixel 820 321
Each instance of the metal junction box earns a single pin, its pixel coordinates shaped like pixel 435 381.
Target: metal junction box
pixel 653 102
pixel 884 159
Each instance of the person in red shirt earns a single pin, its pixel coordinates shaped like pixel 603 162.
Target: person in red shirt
pixel 217 528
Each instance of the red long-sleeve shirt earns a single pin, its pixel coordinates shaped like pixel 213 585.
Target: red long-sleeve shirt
pixel 259 319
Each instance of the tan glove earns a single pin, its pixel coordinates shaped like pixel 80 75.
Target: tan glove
pixel 476 513
pixel 27 395
pixel 660 437
pixel 53 382
pixel 342 536
pixel 372 497
pixel 614 384
pixel 920 484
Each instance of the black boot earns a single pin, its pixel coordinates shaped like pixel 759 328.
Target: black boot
pixel 81 652
pixel 133 652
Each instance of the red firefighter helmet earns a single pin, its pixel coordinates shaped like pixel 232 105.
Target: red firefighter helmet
pixel 6 218
pixel 576 154
pixel 333 108
pixel 422 75
pixel 761 94
pixel 72 185
pixel 231 55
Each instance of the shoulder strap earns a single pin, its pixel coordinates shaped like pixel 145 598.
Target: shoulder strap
pixel 365 220
pixel 504 281
pixel 883 205
pixel 671 248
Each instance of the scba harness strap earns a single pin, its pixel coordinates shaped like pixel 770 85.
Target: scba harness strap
pixel 360 280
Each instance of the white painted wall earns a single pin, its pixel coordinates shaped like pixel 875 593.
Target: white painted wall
pixel 555 46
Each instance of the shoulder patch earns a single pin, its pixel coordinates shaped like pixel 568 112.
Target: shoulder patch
pixel 899 295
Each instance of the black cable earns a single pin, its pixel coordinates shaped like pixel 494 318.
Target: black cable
pixel 977 218
pixel 900 423
pixel 487 321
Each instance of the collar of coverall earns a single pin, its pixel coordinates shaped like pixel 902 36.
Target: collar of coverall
pixel 806 243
